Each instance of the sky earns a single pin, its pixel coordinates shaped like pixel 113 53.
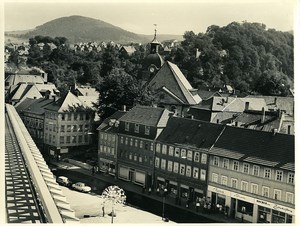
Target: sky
pixel 171 16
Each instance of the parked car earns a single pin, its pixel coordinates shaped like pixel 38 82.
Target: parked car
pixel 62 180
pixel 79 186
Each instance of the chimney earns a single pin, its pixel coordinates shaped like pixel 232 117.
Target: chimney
pixel 289 129
pixel 263 115
pixel 247 106
pixel 124 108
pixel 275 100
pixel 45 77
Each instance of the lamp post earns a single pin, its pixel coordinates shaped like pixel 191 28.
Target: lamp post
pixel 164 200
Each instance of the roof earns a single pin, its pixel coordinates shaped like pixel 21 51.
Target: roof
pixel 171 77
pixel 279 148
pixel 191 133
pixel 38 106
pixel 25 103
pixel 18 78
pixel 88 91
pixel 23 91
pixel 105 125
pixel 47 87
pixel 150 116
pixel 68 103
pixel 90 101
pixel 129 49
pixel 206 94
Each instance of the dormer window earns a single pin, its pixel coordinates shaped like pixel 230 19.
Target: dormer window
pixel 126 126
pixel 147 130
pixel 136 128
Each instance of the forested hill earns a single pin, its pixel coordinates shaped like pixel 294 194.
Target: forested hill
pixel 245 55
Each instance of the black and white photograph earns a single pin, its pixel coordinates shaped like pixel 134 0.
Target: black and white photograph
pixel 149 112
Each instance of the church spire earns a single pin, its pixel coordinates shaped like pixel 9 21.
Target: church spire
pixel 154 44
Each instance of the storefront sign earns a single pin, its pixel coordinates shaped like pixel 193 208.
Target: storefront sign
pixel 274 206
pixel 242 197
pixel 64 150
pixel 218 190
pixel 105 160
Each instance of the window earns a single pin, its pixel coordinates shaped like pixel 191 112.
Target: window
pixel 190 155
pixel 147 130
pixel 216 161
pixel 141 144
pixel 188 171
pixel 69 116
pixel 267 173
pixel 171 150
pixel 112 151
pixel 170 166
pixel 290 178
pixel 256 170
pixel 164 149
pixel 244 186
pixel 197 157
pixel 126 126
pixel 62 128
pixel 204 158
pixel 195 172
pixel 46 126
pixel 135 157
pixel 277 194
pixel 61 139
pixel 176 152
pixel 246 168
pixel 121 140
pixel 136 143
pixel 151 147
pixel 175 169
pixel 140 159
pixel 131 141
pixel 279 174
pixel 68 139
pixel 50 138
pixel 81 116
pixel 183 153
pixel 68 128
pixel 73 139
pixel 163 164
pixel 235 165
pixel 226 163
pixel 182 169
pixel 126 140
pixel 157 162
pixel 101 148
pixel 86 128
pixel 74 128
pixel 130 157
pixel 86 139
pixel 80 128
pixel 215 177
pixel 233 183
pixel 203 174
pixel 224 180
pixel 105 136
pixel 80 139
pixel 63 117
pixel 265 191
pixel 254 188
pixel 136 128
pixel 158 148
pixel 289 197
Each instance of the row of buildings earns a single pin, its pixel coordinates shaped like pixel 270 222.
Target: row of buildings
pixel 247 173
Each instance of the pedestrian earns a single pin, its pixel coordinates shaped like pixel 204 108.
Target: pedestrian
pixel 93 170
pixel 149 191
pixel 205 208
pixel 103 212
pixel 157 191
pixel 209 207
pixel 197 206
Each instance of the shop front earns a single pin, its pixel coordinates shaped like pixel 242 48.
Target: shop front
pixel 107 166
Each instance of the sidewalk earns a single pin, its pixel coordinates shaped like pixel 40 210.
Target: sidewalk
pixel 127 186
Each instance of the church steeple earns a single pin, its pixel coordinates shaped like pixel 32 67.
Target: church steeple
pixel 154 44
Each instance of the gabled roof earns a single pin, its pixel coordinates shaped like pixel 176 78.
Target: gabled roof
pixel 149 116
pixel 23 91
pixel 205 94
pixel 105 125
pixel 38 106
pixel 25 103
pixel 260 145
pixel 129 49
pixel 191 133
pixel 172 78
pixel 88 91
pixel 18 78
pixel 68 103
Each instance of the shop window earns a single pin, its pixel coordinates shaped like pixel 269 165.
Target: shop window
pixel 267 173
pixel 171 150
pixel 245 207
pixel 254 188
pixel 196 157
pixel 126 126
pixel 164 149
pixel 183 153
pixel 147 130
pixel 265 191
pixel 264 215
pixel 182 169
pixel 215 177
pixel 204 158
pixel 177 150
pixel 234 183
pixel 289 197
pixel 158 148
pixel 203 174
pixel 226 163
pixel 256 170
pixel 188 171
pixel 163 164
pixel 277 194
pixel 278 217
pixel 170 166
pixel 157 162
pixel 289 218
pixel 224 180
pixel 195 172
pixel 246 168
pixel 176 165
pixel 235 165
pixel 244 186
pixel 190 155
pixel 216 161
pixel 290 178
pixel 136 128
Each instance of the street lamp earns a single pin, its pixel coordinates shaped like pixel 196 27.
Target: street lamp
pixel 164 200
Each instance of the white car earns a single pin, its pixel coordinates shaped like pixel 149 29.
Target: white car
pixel 62 180
pixel 79 186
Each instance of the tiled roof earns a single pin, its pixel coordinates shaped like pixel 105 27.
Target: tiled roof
pixel 16 79
pixel 258 144
pixel 191 133
pixel 104 126
pixel 38 106
pixel 90 101
pixel 205 94
pixel 25 103
pixel 129 49
pixel 23 91
pixel 68 103
pixel 88 91
pixel 145 115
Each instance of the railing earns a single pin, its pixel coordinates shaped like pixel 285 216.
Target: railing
pixel 54 204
